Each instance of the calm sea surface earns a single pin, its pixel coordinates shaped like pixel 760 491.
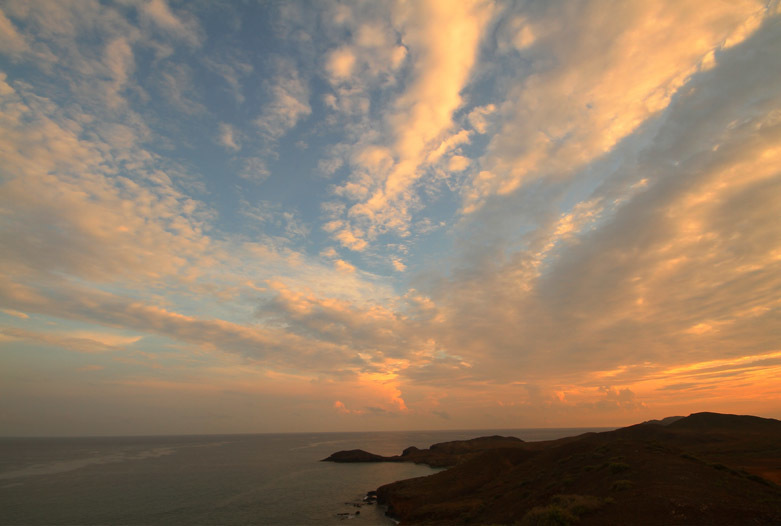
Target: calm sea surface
pixel 231 479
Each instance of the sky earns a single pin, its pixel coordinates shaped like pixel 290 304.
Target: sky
pixel 248 217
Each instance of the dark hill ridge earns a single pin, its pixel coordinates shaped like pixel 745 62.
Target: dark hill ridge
pixel 706 468
pixel 665 421
pixel 713 421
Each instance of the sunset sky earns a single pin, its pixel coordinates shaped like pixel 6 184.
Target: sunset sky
pixel 223 217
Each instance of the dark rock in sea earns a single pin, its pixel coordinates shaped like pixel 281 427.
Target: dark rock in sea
pixel 355 455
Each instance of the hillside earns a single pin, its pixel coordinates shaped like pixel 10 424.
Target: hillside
pixel 706 468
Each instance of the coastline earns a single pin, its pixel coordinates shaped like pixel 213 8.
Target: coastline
pixel 706 468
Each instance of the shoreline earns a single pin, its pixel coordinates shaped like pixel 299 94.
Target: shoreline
pixel 706 468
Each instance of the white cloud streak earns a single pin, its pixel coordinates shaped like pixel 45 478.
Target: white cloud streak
pixel 442 41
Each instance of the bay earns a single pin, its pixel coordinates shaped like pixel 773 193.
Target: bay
pixel 274 479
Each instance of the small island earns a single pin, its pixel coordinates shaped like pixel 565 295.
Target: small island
pixel 707 468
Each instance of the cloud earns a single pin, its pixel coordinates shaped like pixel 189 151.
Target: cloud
pixel 344 266
pixel 176 84
pixel 418 123
pixel 108 223
pixel 372 55
pixel 15 313
pixel 329 252
pixel 82 342
pixel 255 170
pixel 352 239
pixel 233 69
pixel 587 205
pixel 183 27
pixel 119 61
pixel 341 408
pixel 227 137
pixel 11 42
pixel 425 110
pixel 593 81
pixel 656 250
pixel 458 163
pixel 479 117
pixel 617 399
pixel 280 226
pixel 441 414
pixel 288 102
pixel 268 345
pixel 340 64
pixel 448 144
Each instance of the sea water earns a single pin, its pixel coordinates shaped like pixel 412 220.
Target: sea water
pixel 274 479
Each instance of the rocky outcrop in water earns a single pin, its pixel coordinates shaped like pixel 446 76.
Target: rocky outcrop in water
pixel 444 454
pixel 355 455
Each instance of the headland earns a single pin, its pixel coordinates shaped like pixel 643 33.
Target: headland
pixel 707 468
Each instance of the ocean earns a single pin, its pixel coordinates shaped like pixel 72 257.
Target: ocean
pixel 273 479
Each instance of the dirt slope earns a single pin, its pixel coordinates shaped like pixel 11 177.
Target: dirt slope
pixel 703 469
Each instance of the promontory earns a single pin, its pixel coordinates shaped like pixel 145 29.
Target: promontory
pixel 707 468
